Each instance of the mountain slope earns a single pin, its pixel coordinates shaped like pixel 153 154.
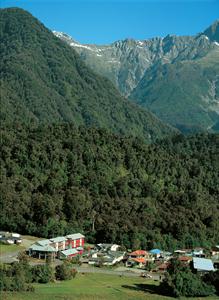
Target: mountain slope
pixel 114 189
pixel 185 95
pixel 43 80
pixel 212 32
pixel 124 62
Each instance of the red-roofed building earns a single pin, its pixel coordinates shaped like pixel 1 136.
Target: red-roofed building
pixel 138 257
pixel 163 267
pixel 185 259
pixel 139 253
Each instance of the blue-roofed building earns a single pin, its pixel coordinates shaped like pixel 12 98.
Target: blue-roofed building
pixel 156 252
pixel 203 264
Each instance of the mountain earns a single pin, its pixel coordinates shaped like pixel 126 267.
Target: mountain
pixel 185 95
pixel 124 62
pixel 212 32
pixel 44 80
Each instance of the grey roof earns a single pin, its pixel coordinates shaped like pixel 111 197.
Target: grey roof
pixel 58 239
pixel 45 248
pixel 80 248
pixel 203 264
pixel 75 236
pixel 43 242
pixel 69 252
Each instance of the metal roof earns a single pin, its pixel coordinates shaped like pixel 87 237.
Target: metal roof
pixel 43 242
pixel 58 239
pixel 203 264
pixel 69 252
pixel 155 251
pixel 75 236
pixel 39 248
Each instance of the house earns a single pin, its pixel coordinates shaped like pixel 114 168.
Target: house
pixel 109 258
pixel 157 253
pixel 163 267
pixel 139 261
pixel 69 253
pixel 108 247
pixel 198 252
pixel 185 260
pixel 138 257
pixel 202 265
pixel 215 251
pixel 58 243
pixel 10 238
pixel 54 246
pixel 74 240
pixel 42 251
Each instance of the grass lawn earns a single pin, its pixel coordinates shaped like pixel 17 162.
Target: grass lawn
pixel 10 248
pixel 96 287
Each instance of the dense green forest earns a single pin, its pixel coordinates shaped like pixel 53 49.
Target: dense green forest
pixel 43 80
pixel 61 179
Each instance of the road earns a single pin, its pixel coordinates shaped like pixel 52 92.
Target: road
pixel 85 268
pixel 125 273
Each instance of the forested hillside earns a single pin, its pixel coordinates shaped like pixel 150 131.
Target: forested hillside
pixel 44 81
pixel 61 179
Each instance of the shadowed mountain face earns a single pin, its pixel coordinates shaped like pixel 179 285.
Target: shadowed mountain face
pixel 44 80
pixel 185 95
pixel 213 31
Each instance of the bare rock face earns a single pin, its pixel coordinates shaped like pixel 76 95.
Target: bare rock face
pixel 172 76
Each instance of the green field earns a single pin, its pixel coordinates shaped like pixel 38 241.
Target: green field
pixel 10 248
pixel 96 287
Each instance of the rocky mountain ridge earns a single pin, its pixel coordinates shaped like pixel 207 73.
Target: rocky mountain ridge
pixel 173 76
pixel 124 62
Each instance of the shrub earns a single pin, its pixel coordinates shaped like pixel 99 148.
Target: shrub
pixel 65 271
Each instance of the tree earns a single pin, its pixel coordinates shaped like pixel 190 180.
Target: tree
pixel 180 281
pixel 65 271
pixel 212 278
pixel 43 273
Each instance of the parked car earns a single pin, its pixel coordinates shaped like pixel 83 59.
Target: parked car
pixel 146 275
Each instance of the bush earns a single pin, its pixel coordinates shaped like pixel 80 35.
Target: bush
pixel 42 273
pixel 16 277
pixel 65 271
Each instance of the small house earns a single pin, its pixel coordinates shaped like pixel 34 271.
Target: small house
pixel 69 253
pixel 109 258
pixel 202 265
pixel 185 260
pixel 163 267
pixel 138 257
pixel 215 251
pixel 156 253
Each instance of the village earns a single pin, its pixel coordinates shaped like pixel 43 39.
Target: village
pixel 152 263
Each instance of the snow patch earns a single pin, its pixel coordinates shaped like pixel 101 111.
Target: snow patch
pixel 205 36
pixel 140 43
